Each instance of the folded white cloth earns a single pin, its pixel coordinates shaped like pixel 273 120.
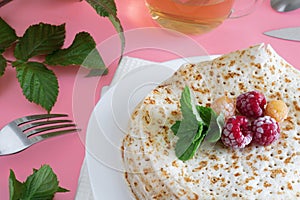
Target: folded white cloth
pixel 84 190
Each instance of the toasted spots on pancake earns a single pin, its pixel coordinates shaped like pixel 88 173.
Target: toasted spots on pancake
pixel 267 184
pixel 174 164
pixel 247 180
pixel 168 100
pixel 262 157
pixel 289 186
pixel 237 174
pixel 230 75
pixel 276 172
pixel 248 157
pixel 288 159
pixel 149 101
pixel 297 107
pixel 287 80
pixel 248 187
pixel 201 165
pixel 215 179
pixel 259 190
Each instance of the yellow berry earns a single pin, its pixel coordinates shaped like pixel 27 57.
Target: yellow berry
pixel 277 109
pixel 224 105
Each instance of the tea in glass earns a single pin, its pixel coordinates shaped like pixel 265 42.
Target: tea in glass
pixel 190 16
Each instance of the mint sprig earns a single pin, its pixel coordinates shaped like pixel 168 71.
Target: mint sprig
pixel 41 184
pixel 195 126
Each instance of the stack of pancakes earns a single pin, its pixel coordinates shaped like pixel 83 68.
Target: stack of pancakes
pixel 216 172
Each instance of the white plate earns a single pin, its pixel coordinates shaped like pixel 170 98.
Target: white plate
pixel 108 123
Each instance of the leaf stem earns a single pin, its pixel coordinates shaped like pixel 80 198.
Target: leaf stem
pixel 4 2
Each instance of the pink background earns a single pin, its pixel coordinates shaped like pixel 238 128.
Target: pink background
pixel 65 154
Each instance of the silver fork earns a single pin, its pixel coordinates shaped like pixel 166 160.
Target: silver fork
pixel 20 133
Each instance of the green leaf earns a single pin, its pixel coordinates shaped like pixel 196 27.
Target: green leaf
pixel 82 52
pixel 42 184
pixel 193 129
pixel 97 72
pixel 175 127
pixel 40 39
pixel 200 131
pixel 188 130
pixel 107 8
pixel 7 35
pixel 15 187
pixel 104 7
pixel 2 65
pixel 214 123
pixel 38 83
pixel 189 123
pixel 118 27
pixel 215 129
pixel 61 189
pixel 191 150
pixel 205 114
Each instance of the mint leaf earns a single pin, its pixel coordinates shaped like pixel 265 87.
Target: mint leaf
pixel 189 153
pixel 189 126
pixel 107 8
pixel 82 52
pixel 2 65
pixel 42 184
pixel 7 35
pixel 213 121
pixel 15 187
pixel 175 127
pixel 192 129
pixel 38 83
pixel 215 129
pixel 40 39
pixel 205 114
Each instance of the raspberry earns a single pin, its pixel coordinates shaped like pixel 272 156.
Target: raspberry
pixel 224 105
pixel 236 132
pixel 277 109
pixel 266 130
pixel 251 104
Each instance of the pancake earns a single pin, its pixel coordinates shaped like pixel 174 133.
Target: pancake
pixel 216 172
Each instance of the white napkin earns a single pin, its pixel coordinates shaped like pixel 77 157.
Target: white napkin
pixel 84 190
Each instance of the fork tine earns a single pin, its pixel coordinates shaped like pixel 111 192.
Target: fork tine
pixel 48 128
pixel 41 123
pixel 41 137
pixel 31 118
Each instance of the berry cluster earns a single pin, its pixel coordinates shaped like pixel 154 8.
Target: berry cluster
pixel 257 122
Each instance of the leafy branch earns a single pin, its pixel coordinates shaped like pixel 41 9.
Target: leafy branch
pixel 39 83
pixel 41 184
